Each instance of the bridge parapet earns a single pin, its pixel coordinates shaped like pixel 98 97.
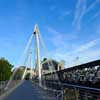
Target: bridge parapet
pixel 85 77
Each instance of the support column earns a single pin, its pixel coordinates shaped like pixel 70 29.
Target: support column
pixel 36 33
pixel 31 71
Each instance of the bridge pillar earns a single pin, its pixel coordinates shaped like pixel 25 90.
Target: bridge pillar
pixel 36 34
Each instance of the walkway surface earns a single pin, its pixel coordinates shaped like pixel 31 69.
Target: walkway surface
pixel 29 91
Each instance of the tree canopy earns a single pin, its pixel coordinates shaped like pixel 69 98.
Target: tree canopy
pixel 5 69
pixel 19 74
pixel 27 77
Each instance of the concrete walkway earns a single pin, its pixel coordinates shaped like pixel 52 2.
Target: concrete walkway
pixel 27 91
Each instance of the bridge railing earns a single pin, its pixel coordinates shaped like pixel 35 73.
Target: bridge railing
pixel 85 77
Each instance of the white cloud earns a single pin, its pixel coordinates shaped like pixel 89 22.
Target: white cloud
pixel 85 53
pixel 92 6
pixel 64 14
pixel 56 37
pixel 84 57
pixel 87 46
pixel 94 54
pixel 60 39
pixel 58 34
pixel 95 16
pixel 51 30
pixel 89 55
pixel 80 10
pixel 98 29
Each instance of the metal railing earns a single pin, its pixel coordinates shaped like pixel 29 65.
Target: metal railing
pixel 83 79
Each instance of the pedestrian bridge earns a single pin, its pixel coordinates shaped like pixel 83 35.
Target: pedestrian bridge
pixel 81 82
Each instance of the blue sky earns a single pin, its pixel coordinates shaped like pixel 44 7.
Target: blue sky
pixel 70 28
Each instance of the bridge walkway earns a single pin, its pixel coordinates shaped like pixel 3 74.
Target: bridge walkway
pixel 29 91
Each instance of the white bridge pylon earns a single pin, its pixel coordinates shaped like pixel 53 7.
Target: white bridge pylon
pixel 36 37
pixel 37 40
pixel 27 56
pixel 35 34
pixel 37 48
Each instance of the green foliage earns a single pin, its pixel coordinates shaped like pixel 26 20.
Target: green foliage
pixel 5 69
pixel 19 74
pixel 27 76
pixel 44 59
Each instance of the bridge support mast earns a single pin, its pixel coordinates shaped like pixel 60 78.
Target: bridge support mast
pixel 36 34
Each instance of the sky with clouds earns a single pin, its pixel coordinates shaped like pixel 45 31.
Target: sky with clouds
pixel 70 28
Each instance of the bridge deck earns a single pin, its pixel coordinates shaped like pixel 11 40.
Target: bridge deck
pixel 27 91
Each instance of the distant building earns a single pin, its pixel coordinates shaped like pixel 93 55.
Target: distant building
pixel 28 70
pixel 50 65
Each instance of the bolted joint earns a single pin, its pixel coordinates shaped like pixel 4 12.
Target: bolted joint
pixel 34 32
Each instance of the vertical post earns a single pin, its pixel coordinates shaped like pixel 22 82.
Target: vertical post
pixel 36 33
pixel 76 94
pixel 31 72
pixel 62 95
pixel 24 73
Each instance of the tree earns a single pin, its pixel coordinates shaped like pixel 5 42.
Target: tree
pixel 27 77
pixel 44 59
pixel 18 74
pixel 5 69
